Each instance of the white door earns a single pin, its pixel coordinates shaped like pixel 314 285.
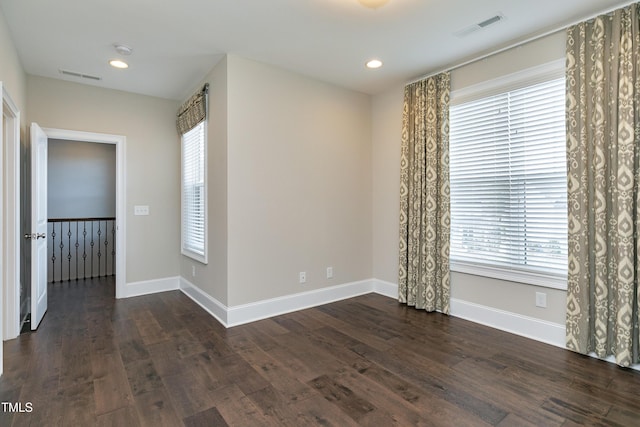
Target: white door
pixel 38 235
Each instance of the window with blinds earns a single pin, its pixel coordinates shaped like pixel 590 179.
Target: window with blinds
pixel 509 185
pixel 194 194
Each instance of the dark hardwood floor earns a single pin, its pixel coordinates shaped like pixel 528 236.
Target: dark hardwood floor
pixel 161 360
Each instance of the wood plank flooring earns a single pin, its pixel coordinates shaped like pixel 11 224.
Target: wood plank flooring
pixel 160 360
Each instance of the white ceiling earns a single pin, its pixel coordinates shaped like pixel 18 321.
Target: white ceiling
pixel 176 42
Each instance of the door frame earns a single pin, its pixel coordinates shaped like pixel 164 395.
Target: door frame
pixel 10 219
pixel 121 235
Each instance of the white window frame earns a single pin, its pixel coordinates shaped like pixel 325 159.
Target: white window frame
pixel 201 256
pixel 528 77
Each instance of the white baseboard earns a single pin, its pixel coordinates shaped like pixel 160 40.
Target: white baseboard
pixel 147 287
pixel 246 313
pixel 206 301
pixel 386 289
pixel 529 327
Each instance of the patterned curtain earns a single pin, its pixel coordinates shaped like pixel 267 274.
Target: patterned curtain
pixel 603 137
pixel 193 111
pixel 424 196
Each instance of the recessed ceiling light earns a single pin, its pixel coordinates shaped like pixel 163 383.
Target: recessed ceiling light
pixel 374 63
pixel 373 4
pixel 118 63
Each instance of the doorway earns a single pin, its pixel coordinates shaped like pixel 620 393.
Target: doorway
pixel 9 219
pixel 38 282
pixel 81 210
pixel 120 214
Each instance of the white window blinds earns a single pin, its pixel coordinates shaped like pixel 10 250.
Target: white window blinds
pixel 193 193
pixel 508 184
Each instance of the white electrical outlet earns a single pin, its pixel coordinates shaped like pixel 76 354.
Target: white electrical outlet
pixel 541 299
pixel 329 272
pixel 303 277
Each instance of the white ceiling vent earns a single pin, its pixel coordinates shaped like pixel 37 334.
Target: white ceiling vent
pixel 479 26
pixel 79 75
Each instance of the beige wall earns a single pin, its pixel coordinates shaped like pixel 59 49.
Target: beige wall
pixel 299 183
pixel 387 126
pixel 12 75
pixel 212 278
pixel 13 80
pixel 81 180
pixel 152 161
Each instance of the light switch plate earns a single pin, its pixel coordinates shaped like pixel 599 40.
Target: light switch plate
pixel 141 210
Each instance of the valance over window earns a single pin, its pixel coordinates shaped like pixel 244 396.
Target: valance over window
pixel 193 111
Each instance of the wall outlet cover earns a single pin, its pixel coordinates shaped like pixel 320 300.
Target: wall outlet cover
pixel 329 272
pixel 541 299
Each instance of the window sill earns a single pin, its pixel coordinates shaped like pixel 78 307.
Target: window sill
pixel 518 276
pixel 195 256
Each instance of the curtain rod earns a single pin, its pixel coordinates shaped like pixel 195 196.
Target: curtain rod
pixel 519 43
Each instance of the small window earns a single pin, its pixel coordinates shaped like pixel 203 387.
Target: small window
pixel 509 185
pixel 194 193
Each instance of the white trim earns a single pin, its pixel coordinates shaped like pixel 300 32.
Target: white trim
pixel 517 276
pixel 246 313
pixel 154 286
pixel 386 289
pixel 528 327
pixel 533 75
pixel 78 135
pixel 251 312
pixel 121 195
pixel 10 258
pixel 211 305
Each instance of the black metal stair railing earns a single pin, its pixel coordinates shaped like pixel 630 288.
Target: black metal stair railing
pixel 81 248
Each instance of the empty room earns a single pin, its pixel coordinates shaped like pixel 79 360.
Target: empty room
pixel 321 212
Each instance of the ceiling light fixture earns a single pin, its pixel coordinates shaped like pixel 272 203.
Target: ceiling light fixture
pixel 373 4
pixel 116 63
pixel 373 64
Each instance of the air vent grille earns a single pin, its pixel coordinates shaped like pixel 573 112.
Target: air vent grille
pixel 490 21
pixel 479 26
pixel 79 75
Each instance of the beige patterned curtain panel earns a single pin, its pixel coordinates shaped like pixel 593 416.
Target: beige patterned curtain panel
pixel 424 196
pixel 603 149
pixel 193 111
